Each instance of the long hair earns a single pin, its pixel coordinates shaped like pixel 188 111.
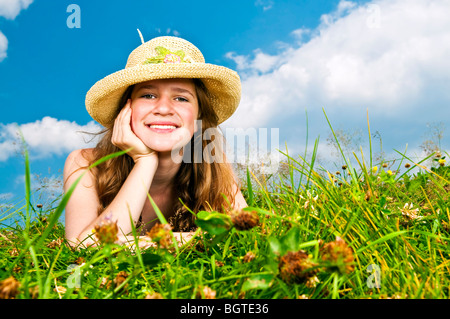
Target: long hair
pixel 200 184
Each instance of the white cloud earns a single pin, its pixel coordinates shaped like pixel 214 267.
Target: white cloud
pixel 46 137
pixel 6 196
pixel 390 56
pixel 10 9
pixel 169 31
pixel 3 46
pixel 260 63
pixel 265 4
pixel 342 9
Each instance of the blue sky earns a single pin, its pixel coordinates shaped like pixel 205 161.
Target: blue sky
pixel 389 58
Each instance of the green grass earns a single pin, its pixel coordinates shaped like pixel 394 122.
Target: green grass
pixel 303 209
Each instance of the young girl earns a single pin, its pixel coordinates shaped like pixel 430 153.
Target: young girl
pixel 158 109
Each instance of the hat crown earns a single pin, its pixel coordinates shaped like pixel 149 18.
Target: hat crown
pixel 151 50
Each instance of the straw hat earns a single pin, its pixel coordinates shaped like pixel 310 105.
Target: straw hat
pixel 163 58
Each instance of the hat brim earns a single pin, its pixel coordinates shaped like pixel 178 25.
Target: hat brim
pixel 223 85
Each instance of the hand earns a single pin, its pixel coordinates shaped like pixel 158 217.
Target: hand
pixel 144 242
pixel 124 138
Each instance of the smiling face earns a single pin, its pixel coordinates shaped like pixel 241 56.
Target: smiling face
pixel 164 113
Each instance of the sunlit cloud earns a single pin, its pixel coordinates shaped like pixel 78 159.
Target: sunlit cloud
pixel 45 138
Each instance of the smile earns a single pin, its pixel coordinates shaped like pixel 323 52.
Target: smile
pixel 162 128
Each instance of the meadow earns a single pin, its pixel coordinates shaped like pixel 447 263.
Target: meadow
pixel 370 230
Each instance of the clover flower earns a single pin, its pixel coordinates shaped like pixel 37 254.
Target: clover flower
pixel 120 278
pixel 338 256
pixel 60 289
pixel 55 243
pixel 154 295
pixel 116 282
pixel 249 256
pixel 9 288
pixel 310 198
pixel 80 260
pixel 106 231
pixel 14 252
pixel 205 293
pixel 161 234
pixel 297 267
pixel 244 219
pixel 409 212
pixel 312 281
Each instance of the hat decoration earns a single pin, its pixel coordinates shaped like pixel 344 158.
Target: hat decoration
pixel 167 56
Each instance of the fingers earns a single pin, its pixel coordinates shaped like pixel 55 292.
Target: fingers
pixel 124 118
pixel 122 126
pixel 124 138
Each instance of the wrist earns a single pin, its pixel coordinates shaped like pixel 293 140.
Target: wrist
pixel 151 158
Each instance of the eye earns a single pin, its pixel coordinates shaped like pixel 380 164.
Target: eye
pixel 149 96
pixel 181 99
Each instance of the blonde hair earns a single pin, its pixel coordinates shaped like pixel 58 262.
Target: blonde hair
pixel 199 184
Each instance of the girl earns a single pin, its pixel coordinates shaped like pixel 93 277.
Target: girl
pixel 158 109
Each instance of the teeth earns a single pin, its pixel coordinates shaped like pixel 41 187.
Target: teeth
pixel 163 126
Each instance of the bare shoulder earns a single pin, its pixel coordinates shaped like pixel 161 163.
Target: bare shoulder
pixel 79 158
pixel 77 161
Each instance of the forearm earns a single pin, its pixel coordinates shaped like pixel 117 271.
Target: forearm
pixel 144 242
pixel 129 200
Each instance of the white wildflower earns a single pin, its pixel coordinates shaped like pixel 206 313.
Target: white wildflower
pixel 410 213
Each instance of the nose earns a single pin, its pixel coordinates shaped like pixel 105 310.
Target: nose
pixel 163 106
